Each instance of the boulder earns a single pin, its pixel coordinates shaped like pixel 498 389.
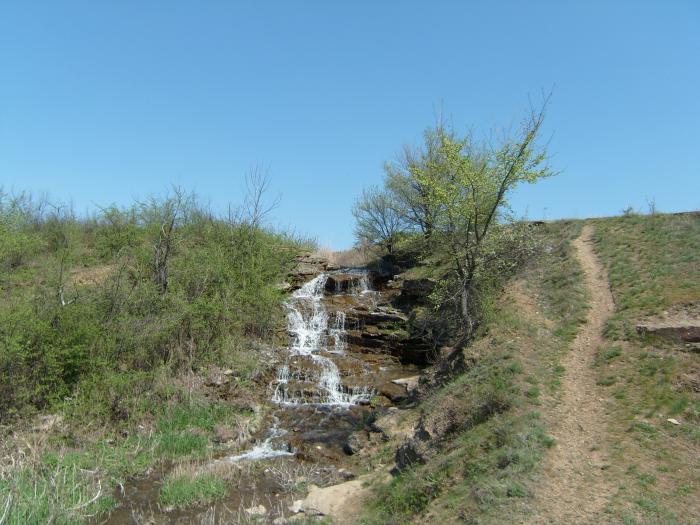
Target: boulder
pixel 343 502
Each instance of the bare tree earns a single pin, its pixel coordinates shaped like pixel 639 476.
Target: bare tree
pixel 166 215
pixel 255 208
pixel 377 219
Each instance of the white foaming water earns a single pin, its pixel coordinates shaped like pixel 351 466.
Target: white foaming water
pixel 263 451
pixel 308 325
pixel 307 320
pixel 337 332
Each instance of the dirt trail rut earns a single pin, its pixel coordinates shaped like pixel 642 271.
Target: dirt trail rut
pixel 574 488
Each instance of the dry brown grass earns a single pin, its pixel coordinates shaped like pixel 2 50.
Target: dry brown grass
pixel 356 257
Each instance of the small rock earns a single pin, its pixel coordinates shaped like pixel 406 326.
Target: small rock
pixel 228 372
pixel 297 506
pixel 258 510
pixel 674 421
pixel 280 521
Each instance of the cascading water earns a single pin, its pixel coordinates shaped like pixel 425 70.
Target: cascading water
pixel 265 450
pixel 310 377
pixel 337 332
pixel 311 333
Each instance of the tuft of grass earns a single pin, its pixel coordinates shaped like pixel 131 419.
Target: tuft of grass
pixel 185 490
pixel 63 494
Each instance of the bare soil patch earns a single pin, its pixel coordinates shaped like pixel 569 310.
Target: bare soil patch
pixel 574 487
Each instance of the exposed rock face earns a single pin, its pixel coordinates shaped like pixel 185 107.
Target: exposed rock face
pixel 685 331
pixel 307 267
pixel 416 291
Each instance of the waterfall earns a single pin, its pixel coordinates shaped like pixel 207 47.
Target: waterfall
pixel 311 334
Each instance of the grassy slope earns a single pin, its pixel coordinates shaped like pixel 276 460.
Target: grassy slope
pixel 481 473
pixel 653 264
pixel 118 407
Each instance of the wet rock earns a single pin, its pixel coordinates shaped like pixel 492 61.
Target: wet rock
pixel 364 340
pixel 371 331
pixel 344 283
pixel 685 331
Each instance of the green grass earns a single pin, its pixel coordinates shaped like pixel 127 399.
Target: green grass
pixel 183 491
pixel 181 432
pixel 653 264
pixel 63 495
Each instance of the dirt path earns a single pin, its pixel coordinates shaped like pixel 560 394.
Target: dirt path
pixel 574 488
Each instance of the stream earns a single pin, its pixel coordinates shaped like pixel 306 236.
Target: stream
pixel 319 395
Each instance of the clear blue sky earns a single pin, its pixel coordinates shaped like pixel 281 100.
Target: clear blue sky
pixel 104 101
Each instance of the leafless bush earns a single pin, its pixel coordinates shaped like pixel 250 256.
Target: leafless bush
pixel 293 476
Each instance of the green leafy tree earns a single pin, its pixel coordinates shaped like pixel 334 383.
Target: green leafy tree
pixel 467 185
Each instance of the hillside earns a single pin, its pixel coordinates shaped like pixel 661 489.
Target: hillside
pixel 558 410
pixel 565 413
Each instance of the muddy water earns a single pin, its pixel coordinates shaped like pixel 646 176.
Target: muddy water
pixel 319 396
